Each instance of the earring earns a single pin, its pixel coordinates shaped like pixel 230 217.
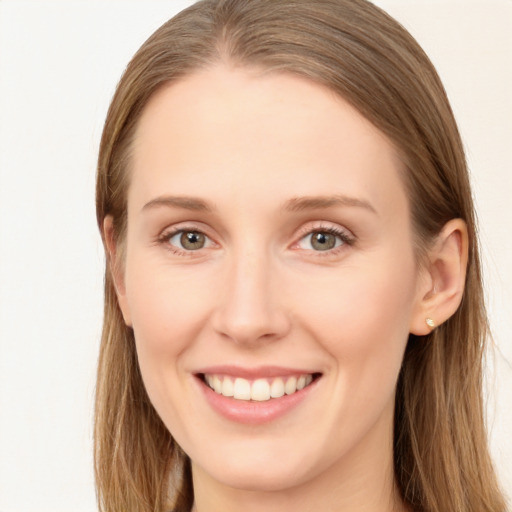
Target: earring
pixel 430 322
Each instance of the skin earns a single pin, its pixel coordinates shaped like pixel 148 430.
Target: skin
pixel 248 144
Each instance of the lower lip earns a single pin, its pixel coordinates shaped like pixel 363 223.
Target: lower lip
pixel 251 411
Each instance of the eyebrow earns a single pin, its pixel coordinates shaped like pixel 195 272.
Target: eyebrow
pixel 184 202
pixel 298 204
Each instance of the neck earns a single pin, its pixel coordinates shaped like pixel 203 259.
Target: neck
pixel 362 481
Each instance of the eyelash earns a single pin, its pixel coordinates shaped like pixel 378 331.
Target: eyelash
pixel 166 236
pixel 346 239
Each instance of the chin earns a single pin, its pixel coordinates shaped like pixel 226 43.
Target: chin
pixel 259 478
pixel 261 468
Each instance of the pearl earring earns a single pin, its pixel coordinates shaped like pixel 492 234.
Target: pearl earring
pixel 430 322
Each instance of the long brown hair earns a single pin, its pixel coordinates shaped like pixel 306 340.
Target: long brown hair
pixel 354 48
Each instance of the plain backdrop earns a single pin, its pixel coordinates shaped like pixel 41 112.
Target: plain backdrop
pixel 59 64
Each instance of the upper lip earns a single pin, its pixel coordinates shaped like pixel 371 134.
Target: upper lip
pixel 255 372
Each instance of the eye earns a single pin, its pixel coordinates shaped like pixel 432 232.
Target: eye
pixel 323 240
pixel 187 240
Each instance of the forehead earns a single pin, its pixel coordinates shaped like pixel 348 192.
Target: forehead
pixel 239 131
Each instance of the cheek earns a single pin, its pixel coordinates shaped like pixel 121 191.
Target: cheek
pixel 166 306
pixel 168 312
pixel 361 316
pixel 357 301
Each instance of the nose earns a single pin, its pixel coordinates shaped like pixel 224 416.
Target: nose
pixel 250 309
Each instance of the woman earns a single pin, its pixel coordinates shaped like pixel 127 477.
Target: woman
pixel 294 316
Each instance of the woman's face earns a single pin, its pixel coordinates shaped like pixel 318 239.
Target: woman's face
pixel 269 255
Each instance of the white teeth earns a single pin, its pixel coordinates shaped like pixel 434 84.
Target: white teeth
pixel 291 385
pixel 228 388
pixel 242 389
pixel 217 384
pixel 277 388
pixel 259 390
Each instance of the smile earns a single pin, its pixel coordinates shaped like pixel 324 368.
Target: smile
pixel 259 390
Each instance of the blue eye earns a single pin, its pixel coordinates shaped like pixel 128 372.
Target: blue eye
pixel 323 240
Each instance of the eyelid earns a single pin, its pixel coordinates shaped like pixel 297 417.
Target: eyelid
pixel 169 232
pixel 347 237
pixel 180 232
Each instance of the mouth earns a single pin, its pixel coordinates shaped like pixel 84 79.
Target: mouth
pixel 259 389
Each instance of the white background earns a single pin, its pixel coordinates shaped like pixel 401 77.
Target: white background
pixel 59 63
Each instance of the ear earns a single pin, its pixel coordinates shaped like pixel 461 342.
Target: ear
pixel 441 289
pixel 114 259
